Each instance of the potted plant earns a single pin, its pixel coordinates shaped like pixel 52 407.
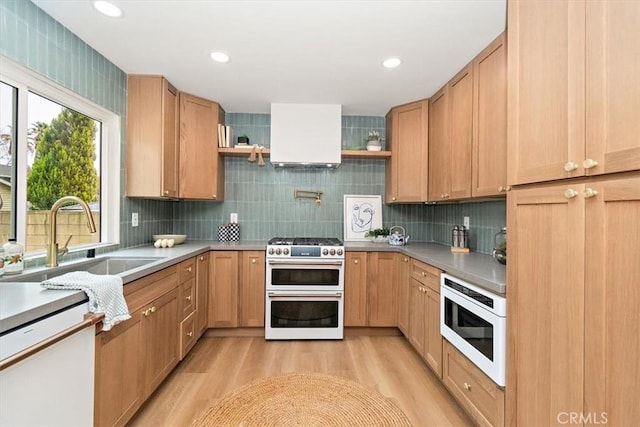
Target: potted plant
pixel 373 141
pixel 243 139
pixel 378 235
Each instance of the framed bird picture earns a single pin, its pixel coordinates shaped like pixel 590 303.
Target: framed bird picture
pixel 361 214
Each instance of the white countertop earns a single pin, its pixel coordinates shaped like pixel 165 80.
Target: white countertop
pixel 24 302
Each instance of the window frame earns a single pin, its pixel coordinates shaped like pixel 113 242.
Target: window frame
pixel 27 81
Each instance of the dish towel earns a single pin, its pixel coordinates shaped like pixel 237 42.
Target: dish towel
pixel 104 292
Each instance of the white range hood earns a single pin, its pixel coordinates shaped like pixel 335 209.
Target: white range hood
pixel 306 135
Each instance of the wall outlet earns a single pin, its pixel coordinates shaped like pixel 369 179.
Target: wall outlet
pixel 466 222
pixel 134 219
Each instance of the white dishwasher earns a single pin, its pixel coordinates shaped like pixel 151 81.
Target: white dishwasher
pixel 47 371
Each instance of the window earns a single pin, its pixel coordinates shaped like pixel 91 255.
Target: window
pixel 55 143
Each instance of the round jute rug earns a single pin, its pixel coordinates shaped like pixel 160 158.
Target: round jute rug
pixel 303 399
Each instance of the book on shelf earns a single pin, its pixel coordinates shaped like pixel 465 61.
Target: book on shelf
pixel 225 136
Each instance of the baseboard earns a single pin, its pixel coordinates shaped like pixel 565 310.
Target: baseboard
pixel 377 332
pixel 259 332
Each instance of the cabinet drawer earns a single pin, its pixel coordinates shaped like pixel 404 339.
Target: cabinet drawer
pixel 187 335
pixel 426 274
pixel 187 269
pixel 187 297
pixel 481 397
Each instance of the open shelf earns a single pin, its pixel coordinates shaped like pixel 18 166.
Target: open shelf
pixel 346 154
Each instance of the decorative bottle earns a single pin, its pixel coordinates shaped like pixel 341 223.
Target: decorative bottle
pixel 13 257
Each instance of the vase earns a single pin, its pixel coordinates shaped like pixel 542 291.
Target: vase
pixel 374 146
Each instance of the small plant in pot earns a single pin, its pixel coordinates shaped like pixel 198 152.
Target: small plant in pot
pixel 243 139
pixel 378 235
pixel 373 141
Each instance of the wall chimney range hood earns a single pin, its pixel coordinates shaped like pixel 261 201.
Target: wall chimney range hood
pixel 306 135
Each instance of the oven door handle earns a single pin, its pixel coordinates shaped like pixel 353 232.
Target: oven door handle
pixel 277 295
pixel 298 264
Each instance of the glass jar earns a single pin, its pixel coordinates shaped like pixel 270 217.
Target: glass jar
pixel 500 246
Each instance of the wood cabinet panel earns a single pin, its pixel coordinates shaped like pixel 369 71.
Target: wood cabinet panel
pixel 404 298
pixel 202 293
pixel 439 145
pixel 252 288
pixel 223 289
pixel 201 167
pixel 460 134
pixel 613 86
pixel 417 318
pixel 546 89
pixel 407 139
pixel 489 168
pixel 355 289
pixel 152 137
pixel 187 335
pixel 382 280
pixel 433 340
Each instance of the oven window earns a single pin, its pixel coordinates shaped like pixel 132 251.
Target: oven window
pixel 304 314
pixel 473 329
pixel 305 277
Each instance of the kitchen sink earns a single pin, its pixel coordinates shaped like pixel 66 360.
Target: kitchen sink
pixel 103 265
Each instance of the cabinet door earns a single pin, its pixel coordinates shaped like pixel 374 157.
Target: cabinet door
pixel 119 372
pixel 489 167
pixel 439 146
pixel 382 281
pixel 200 165
pixel 613 86
pixel 252 287
pixel 404 284
pixel 416 315
pixel 170 141
pixel 355 289
pixel 546 87
pixel 458 165
pixel 545 318
pixel 407 175
pixel 612 340
pixel 432 339
pixel 223 289
pixel 160 326
pixel 202 294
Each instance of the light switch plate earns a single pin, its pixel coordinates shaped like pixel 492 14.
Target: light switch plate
pixel 134 219
pixel 466 222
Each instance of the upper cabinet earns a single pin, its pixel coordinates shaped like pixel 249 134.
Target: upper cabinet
pixel 407 137
pixel 489 166
pixel 172 146
pixel 201 167
pixel 574 89
pixel 152 137
pixel 440 147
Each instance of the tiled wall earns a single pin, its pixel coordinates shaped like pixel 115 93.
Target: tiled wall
pixel 33 39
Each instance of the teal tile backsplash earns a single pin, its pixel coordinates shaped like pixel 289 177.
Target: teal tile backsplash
pixel 262 196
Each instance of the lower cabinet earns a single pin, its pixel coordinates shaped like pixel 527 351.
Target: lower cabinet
pixel 252 283
pixel 223 289
pixel 355 289
pixel 382 280
pixel 404 283
pixel 202 294
pixel 135 356
pixel 482 398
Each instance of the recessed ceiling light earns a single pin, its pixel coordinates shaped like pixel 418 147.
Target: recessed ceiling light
pixel 107 8
pixel 391 62
pixel 219 57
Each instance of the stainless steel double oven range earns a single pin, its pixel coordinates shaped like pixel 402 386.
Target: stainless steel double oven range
pixel 304 290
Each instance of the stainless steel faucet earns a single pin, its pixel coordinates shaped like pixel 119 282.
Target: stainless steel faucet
pixel 52 247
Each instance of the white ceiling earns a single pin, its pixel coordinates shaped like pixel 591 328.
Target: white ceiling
pixel 291 51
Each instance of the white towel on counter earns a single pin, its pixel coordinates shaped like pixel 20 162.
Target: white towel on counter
pixel 104 292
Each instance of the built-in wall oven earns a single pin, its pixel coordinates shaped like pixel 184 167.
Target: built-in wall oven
pixel 304 289
pixel 474 321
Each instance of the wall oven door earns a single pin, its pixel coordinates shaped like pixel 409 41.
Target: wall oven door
pixel 293 315
pixel 305 274
pixel 477 332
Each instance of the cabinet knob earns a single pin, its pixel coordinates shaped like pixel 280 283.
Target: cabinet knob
pixel 153 309
pixel 214 196
pixel 504 188
pixel 147 312
pixel 189 334
pixel 570 166
pixel 423 273
pixel 188 269
pixel 356 261
pixel 253 261
pixel 570 193
pixel 405 259
pixel 188 297
pixel 589 192
pixel 393 198
pixel 166 192
pixel 467 386
pixel 201 258
pixel 589 163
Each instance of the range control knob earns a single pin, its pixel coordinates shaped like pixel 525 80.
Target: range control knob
pixel 332 252
pixel 271 251
pixel 278 251
pixel 285 251
pixel 325 251
pixel 339 252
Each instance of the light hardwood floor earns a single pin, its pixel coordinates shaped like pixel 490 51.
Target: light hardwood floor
pixel 217 366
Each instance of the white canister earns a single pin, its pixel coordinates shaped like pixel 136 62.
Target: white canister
pixel 13 257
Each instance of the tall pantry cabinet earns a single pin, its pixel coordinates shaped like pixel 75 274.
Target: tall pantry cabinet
pixel 574 244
